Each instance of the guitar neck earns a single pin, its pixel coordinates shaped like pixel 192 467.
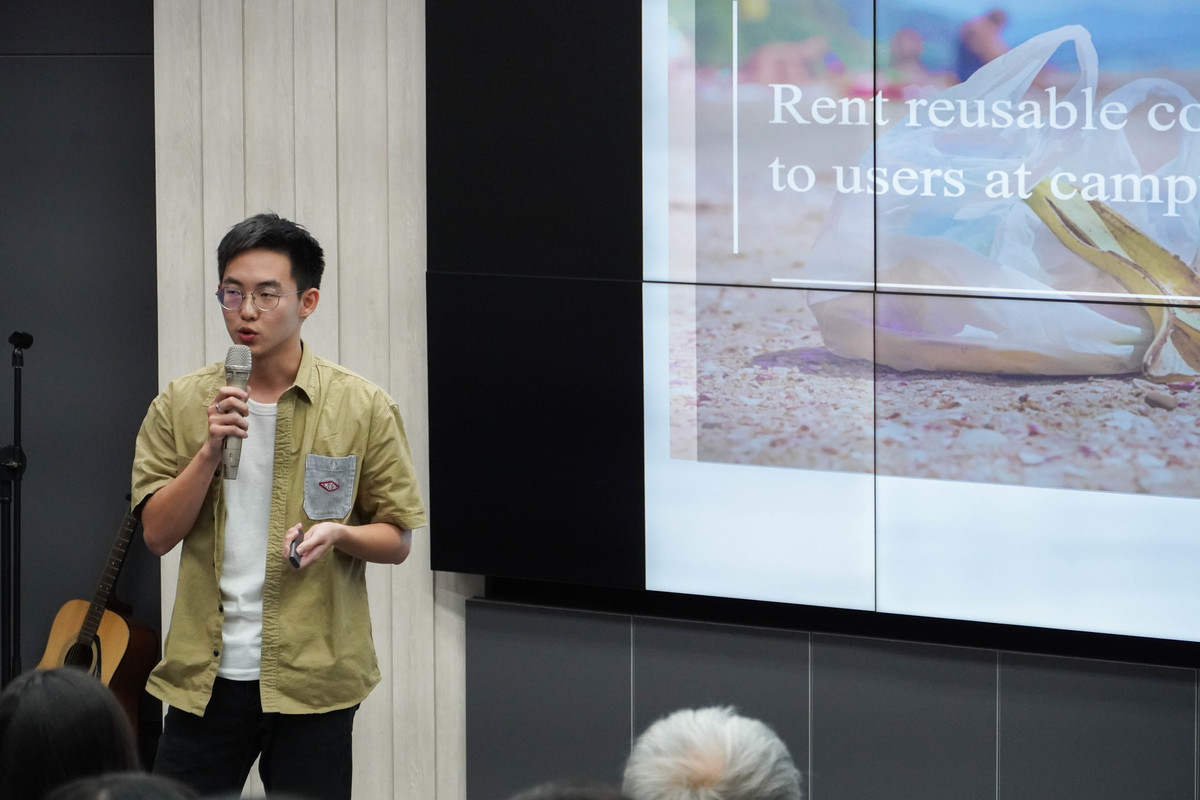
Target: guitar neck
pixel 112 570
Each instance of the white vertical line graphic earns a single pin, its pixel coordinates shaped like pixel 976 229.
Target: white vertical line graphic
pixel 734 78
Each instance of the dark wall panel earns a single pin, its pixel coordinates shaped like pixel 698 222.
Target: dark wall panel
pixel 548 697
pixel 77 222
pixel 541 378
pixel 863 718
pixel 1100 730
pixel 892 719
pixel 535 139
pixel 74 27
pixel 77 271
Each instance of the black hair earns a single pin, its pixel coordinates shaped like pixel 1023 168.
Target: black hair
pixel 273 232
pixel 57 725
pixel 124 786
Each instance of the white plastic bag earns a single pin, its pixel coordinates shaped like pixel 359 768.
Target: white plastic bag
pixel 977 249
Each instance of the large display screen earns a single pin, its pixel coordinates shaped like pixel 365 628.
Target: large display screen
pixel 921 318
pixel 884 307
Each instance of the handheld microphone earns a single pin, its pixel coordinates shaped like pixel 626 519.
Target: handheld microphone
pixel 237 373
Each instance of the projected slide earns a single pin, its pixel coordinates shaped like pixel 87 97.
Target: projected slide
pixel 922 312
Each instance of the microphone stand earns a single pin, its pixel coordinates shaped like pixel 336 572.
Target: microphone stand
pixel 12 467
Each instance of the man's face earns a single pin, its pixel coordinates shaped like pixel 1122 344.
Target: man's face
pixel 266 333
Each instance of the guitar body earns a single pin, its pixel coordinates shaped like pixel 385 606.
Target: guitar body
pixel 100 657
pixel 118 650
pixel 121 655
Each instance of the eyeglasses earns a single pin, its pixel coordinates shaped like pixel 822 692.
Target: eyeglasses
pixel 232 299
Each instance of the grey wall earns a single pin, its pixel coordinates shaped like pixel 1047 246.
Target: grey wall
pixel 77 271
pixel 553 693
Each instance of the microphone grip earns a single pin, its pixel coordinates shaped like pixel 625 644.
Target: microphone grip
pixel 231 451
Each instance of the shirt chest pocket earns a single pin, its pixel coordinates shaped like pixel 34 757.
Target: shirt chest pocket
pixel 328 486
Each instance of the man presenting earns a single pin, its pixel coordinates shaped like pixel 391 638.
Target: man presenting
pixel 263 658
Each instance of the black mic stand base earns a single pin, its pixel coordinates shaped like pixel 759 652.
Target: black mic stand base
pixel 12 467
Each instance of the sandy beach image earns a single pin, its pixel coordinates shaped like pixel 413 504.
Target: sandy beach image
pixel 790 354
pixel 769 392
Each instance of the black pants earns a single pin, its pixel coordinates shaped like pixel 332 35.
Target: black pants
pixel 301 755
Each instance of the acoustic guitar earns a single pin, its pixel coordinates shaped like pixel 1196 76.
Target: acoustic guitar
pixel 117 649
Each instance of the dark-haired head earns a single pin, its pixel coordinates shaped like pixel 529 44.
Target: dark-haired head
pixel 273 232
pixel 57 725
pixel 124 786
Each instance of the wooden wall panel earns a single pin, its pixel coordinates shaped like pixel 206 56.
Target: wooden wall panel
pixel 178 187
pixel 451 593
pixel 269 106
pixel 416 774
pixel 223 134
pixel 178 181
pixel 315 110
pixel 363 290
pixel 362 186
pixel 315 26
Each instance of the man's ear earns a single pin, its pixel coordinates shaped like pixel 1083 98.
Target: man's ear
pixel 308 302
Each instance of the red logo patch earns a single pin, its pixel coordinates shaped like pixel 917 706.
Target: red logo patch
pixel 330 486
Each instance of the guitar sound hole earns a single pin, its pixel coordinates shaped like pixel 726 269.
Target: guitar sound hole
pixel 78 656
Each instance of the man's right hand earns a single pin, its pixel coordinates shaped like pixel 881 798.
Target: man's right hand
pixel 228 415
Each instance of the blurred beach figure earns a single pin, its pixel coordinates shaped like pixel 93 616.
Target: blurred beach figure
pixel 906 74
pixel 980 40
pixel 798 63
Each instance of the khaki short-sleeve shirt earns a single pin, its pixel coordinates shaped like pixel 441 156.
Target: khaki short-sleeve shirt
pixel 340 455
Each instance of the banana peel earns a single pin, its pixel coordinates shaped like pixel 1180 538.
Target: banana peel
pixel 1104 238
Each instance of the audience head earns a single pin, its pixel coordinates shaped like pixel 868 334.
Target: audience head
pixel 710 754
pixel 57 725
pixel 124 786
pixel 570 790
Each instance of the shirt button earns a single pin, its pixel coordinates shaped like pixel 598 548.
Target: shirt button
pixel 216 653
pixel 220 609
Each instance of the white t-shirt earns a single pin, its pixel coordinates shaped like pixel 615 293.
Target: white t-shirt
pixel 247 517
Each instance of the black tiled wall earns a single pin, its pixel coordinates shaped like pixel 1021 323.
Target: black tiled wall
pixel 561 694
